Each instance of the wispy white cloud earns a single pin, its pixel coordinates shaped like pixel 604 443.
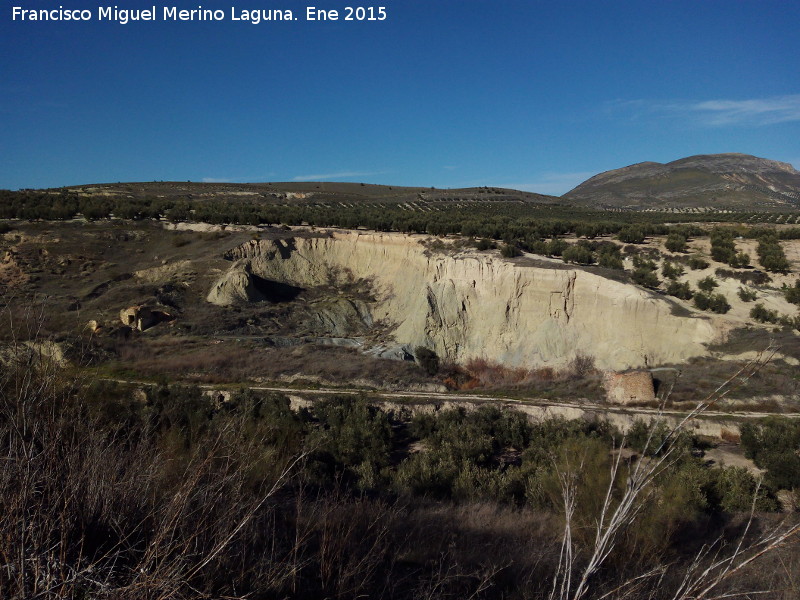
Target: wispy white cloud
pixel 757 111
pixel 339 175
pixel 554 184
pixel 752 112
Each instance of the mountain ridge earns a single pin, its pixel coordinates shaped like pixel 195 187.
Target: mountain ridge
pixel 730 180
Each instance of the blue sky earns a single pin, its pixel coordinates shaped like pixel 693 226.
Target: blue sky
pixel 449 93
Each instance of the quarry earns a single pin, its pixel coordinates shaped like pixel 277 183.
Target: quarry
pixel 336 359
pixel 472 305
pixel 332 307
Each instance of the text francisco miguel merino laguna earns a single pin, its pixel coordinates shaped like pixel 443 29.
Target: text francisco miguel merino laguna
pixel 173 13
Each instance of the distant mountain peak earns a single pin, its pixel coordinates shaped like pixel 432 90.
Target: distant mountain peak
pixel 731 180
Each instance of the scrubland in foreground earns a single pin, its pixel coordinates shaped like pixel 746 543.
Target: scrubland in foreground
pixel 163 494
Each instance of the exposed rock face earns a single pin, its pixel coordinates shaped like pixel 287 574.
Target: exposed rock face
pixel 478 305
pixel 629 388
pixel 142 317
pixel 30 353
pixel 237 284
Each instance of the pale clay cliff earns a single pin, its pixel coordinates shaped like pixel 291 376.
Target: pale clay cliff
pixel 478 305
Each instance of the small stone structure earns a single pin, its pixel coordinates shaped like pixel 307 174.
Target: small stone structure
pixel 142 317
pixel 629 387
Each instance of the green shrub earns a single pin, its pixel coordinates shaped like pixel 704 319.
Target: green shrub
pixel 763 314
pixel 645 277
pixel 631 235
pixel 773 444
pixel 640 262
pixel 509 251
pixel 707 284
pixel 680 290
pixel 790 322
pixel 723 248
pixel 714 302
pixel 671 270
pixel 792 294
pixel 771 255
pixel 609 261
pixel 736 489
pixel 556 246
pixel 353 438
pixel 746 294
pixel 675 243
pixel 485 244
pixel 578 254
pixel 696 263
pixel 740 260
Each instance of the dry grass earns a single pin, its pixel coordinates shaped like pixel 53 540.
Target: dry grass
pixel 231 361
pixel 579 379
pixel 110 510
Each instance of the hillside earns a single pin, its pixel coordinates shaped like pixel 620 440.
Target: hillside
pixel 717 181
pixel 293 191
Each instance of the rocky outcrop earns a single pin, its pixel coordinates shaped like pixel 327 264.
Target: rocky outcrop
pixel 143 317
pixel 236 285
pixel 33 353
pixel 479 305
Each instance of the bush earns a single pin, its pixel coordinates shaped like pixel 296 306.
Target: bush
pixel 697 263
pixel 610 261
pixel 714 302
pixel 485 244
pixel 427 359
pixel 747 295
pixel 631 235
pixel 671 270
pixel 770 254
pixel 773 444
pixel 578 254
pixel 792 294
pixel 353 438
pixel 707 284
pixel 556 246
pixel 763 315
pixel 680 290
pixel 675 243
pixel 582 365
pixel 736 488
pixel 645 277
pixel 790 322
pixel 740 260
pixel 509 251
pixel 609 256
pixel 723 248
pixel 640 262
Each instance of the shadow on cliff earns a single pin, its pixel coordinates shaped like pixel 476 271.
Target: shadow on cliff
pixel 275 291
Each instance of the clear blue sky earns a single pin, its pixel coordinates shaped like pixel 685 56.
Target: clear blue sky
pixel 450 93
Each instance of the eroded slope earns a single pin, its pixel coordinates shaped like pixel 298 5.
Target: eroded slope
pixel 477 305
